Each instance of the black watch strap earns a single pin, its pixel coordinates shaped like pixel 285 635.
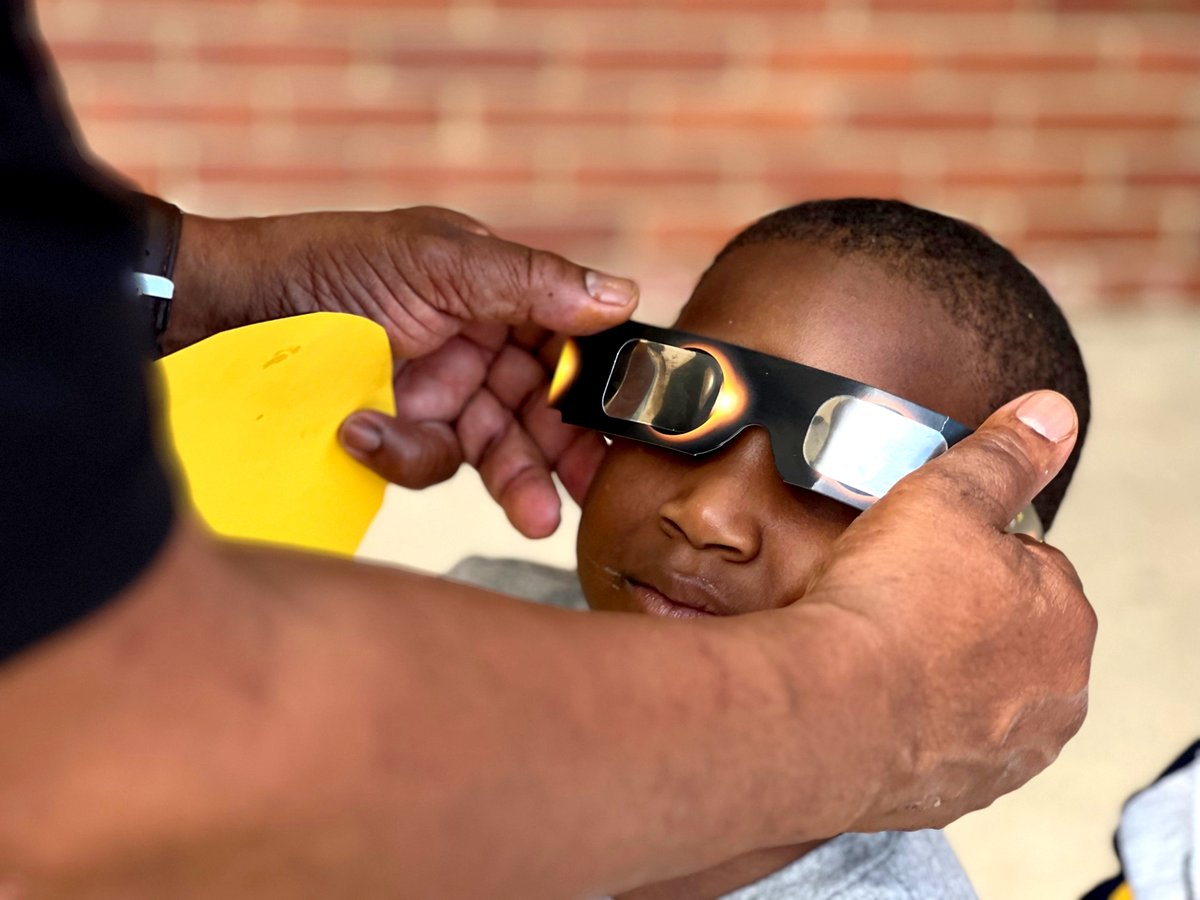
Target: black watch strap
pixel 164 222
pixel 156 267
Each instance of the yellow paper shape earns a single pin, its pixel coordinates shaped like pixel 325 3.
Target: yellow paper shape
pixel 254 414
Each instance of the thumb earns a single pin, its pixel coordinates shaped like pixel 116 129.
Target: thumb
pixel 1000 468
pixel 411 454
pixel 507 282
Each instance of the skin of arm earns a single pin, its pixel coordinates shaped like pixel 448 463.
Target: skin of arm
pixel 244 722
pixel 252 722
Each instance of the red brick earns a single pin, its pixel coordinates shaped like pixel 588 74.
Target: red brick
pixel 1083 233
pixel 579 4
pixel 354 116
pixel 699 239
pixel 1090 5
pixel 943 6
pixel 452 58
pixel 641 177
pixel 349 4
pixel 1181 177
pixel 1182 61
pixel 273 55
pixel 931 120
pixel 1019 61
pixel 571 239
pixel 140 84
pixel 656 147
pixel 449 176
pixel 730 6
pixel 428 176
pixel 1013 178
pixel 102 51
pixel 251 173
pixel 1109 121
pixel 1126 6
pixel 893 61
pixel 658 59
pixel 569 116
pixel 166 112
pixel 809 183
pixel 746 6
pixel 739 119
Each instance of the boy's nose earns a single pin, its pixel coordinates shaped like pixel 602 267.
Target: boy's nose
pixel 719 505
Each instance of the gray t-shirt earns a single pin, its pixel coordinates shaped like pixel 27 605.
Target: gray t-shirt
pixel 892 865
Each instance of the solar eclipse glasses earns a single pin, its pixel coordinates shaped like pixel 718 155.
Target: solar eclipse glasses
pixel 829 434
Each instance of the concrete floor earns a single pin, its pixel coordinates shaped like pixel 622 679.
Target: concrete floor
pixel 1131 524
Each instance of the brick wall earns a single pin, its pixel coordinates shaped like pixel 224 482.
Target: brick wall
pixel 639 135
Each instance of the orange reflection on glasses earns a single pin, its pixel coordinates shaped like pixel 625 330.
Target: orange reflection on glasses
pixel 565 371
pixel 730 405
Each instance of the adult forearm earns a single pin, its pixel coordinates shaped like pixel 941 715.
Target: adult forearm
pixel 263 724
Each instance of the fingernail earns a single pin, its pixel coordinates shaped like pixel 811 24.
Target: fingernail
pixel 610 288
pixel 1049 414
pixel 362 435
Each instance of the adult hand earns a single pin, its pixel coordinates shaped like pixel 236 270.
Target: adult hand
pixel 471 319
pixel 985 638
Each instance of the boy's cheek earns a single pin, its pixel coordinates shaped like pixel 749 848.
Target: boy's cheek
pixel 621 506
pixel 600 569
pixel 603 481
pixel 796 557
pixel 622 485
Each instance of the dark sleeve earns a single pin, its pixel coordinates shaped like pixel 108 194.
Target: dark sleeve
pixel 84 501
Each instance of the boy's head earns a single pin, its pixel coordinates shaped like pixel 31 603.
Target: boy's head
pixel 916 303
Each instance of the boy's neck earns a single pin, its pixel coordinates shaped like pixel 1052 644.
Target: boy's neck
pixel 725 877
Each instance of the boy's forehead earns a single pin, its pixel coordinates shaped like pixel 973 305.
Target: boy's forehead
pixel 800 298
pixel 846 314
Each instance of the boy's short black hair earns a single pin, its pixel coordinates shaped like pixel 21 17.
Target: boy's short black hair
pixel 1025 339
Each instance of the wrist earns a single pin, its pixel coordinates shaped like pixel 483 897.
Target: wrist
pixel 217 279
pixel 831 666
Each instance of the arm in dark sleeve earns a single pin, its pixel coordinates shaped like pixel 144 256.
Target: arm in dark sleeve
pixel 84 501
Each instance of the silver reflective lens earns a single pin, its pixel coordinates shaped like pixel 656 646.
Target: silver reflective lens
pixel 865 446
pixel 668 388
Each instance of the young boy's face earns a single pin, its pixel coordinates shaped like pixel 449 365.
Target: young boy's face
pixel 682 536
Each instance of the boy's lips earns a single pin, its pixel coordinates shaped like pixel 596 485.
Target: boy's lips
pixel 676 596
